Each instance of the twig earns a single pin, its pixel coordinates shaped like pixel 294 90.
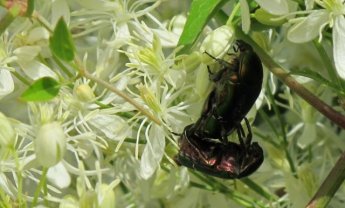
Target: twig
pixel 330 185
pixel 105 84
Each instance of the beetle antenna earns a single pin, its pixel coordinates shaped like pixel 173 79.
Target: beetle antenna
pixel 210 55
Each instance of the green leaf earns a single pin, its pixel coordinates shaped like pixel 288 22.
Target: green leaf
pixel 61 43
pixel 200 13
pixel 43 89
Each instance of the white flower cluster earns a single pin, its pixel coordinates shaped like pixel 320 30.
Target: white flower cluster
pixel 79 139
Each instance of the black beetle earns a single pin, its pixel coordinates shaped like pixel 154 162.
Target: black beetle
pixel 237 86
pixel 228 161
pixel 204 145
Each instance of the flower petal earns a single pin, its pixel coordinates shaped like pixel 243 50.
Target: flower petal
pixel 153 152
pixel 112 126
pixel 27 53
pixel 338 45
pixel 245 16
pixel 309 4
pixel 277 7
pixel 36 70
pixel 59 176
pixel 60 9
pixel 309 28
pixel 37 34
pixel 6 83
pixel 7 134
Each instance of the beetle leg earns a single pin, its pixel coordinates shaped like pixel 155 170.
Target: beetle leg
pixel 194 144
pixel 224 137
pixel 209 70
pixel 215 77
pixel 232 55
pixel 240 134
pixel 236 47
pixel 250 134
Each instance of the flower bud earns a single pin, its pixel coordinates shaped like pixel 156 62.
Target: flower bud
pixel 84 93
pixel 189 62
pixel 88 199
pixel 177 24
pixel 7 133
pixel 108 196
pixel 50 144
pixel 217 43
pixel 68 201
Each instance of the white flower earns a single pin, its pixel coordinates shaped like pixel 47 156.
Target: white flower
pixel 102 195
pixel 28 46
pixel 308 28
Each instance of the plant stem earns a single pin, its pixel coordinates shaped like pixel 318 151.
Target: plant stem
pixel 283 132
pixel 215 185
pixel 285 77
pixel 107 85
pixel 330 185
pixel 40 186
pixel 258 189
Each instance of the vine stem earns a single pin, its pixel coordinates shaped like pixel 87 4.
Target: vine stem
pixel 107 85
pixel 299 89
pixel 330 185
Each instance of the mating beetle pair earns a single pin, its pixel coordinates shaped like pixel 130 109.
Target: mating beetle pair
pixel 204 145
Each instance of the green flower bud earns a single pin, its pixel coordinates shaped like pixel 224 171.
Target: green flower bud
pixel 69 202
pixel 108 196
pixel 84 93
pixel 189 62
pixel 88 199
pixel 50 144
